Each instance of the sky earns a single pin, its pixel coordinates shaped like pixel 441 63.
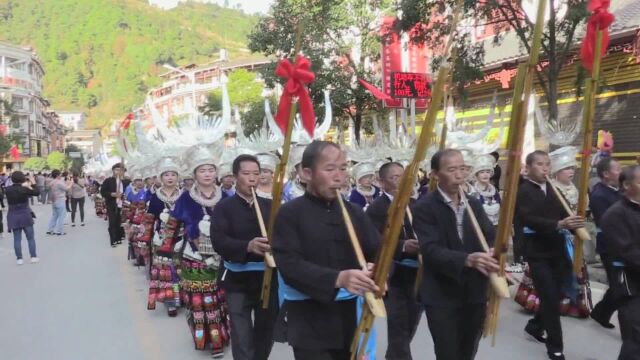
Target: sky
pixel 251 6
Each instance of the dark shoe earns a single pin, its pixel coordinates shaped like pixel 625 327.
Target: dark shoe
pixel 113 245
pixel 601 320
pixel 535 333
pixel 60 234
pixel 556 356
pixel 49 233
pixel 82 224
pixel 73 225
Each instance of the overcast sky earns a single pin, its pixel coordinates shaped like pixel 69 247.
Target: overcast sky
pixel 251 6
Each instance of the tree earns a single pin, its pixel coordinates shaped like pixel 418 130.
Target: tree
pixel 57 160
pixel 341 40
pixel 557 40
pixel 243 88
pixel 35 164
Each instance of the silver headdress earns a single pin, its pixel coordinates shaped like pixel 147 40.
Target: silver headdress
pixel 563 158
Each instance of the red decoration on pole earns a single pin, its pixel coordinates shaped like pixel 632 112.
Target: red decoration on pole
pixel 126 122
pixel 601 19
pixel 298 76
pixel 15 152
pixel 377 93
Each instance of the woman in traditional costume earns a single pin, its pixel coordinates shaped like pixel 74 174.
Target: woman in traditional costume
pixel 162 272
pixel 487 193
pixel 364 192
pixel 295 187
pixel 268 164
pixel 205 301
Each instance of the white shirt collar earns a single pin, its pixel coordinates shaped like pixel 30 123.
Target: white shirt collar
pixel 389 196
pixel 446 197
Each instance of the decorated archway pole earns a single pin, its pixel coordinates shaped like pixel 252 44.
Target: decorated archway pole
pixel 593 48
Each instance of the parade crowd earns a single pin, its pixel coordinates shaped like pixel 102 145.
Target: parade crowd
pixel 197 222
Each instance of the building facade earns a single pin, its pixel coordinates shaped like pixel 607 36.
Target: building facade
pixel 88 141
pixel 21 75
pixel 185 89
pixel 74 120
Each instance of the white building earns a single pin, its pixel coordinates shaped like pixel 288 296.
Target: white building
pixel 183 87
pixel 88 141
pixel 75 120
pixel 21 75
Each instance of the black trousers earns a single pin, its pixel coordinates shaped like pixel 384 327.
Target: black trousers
pixel 609 304
pixel 306 354
pixel 74 206
pixel 1 222
pixel 403 317
pixel 251 325
pixel 629 318
pixel 456 330
pixel 548 276
pixel 115 228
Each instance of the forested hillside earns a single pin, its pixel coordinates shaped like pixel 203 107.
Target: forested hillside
pixel 102 55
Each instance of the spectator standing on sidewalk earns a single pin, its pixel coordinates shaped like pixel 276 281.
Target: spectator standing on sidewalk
pixel 20 217
pixel 59 188
pixel 78 196
pixel 40 186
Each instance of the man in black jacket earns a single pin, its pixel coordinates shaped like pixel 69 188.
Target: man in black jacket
pixel 621 228
pixel 112 190
pixel 454 285
pixel 317 261
pixel 403 311
pixel 236 236
pixel 604 194
pixel 541 214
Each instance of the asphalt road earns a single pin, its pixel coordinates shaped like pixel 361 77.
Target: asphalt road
pixel 85 301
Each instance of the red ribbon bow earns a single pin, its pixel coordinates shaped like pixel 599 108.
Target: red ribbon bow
pixel 600 20
pixel 298 76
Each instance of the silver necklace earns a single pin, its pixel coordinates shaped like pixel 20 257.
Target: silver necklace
pixel 168 199
pixel 197 196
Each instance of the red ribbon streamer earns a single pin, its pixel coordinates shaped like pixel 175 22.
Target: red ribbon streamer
pixel 298 76
pixel 377 93
pixel 601 19
pixel 126 122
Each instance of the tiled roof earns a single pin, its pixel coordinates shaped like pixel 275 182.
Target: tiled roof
pixel 627 13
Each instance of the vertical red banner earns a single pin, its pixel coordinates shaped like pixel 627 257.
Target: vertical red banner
pixel 418 64
pixel 391 57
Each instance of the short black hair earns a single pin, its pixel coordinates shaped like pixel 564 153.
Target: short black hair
pixel 531 157
pixel 55 173
pixel 628 174
pixel 312 152
pixel 117 166
pixel 18 177
pixel 436 160
pixel 604 165
pixel 386 167
pixel 235 167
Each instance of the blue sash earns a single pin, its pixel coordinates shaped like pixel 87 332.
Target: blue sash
pixel 617 264
pixel 286 292
pixel 408 263
pixel 239 267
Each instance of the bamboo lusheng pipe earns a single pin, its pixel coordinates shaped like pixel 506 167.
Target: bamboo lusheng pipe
pixel 590 91
pixel 396 214
pixel 263 229
pixel 276 192
pixel 498 283
pixel 581 233
pixel 418 282
pixel 375 304
pixel 521 94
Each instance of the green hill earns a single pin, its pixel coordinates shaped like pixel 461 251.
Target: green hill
pixel 102 55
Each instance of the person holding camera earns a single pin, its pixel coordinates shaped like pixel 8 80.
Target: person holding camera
pixel 59 188
pixel 20 217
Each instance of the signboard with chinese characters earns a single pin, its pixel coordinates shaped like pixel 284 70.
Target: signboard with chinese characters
pixel 410 85
pixel 398 55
